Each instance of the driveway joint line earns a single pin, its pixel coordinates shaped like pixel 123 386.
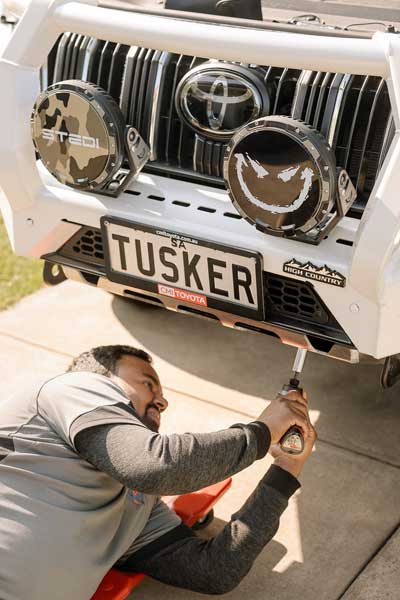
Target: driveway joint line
pixel 381 461
pixel 30 342
pixel 370 559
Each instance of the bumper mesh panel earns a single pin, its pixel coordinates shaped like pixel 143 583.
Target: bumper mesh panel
pixel 293 299
pixel 86 245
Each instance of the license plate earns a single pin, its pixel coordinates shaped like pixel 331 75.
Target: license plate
pixel 191 270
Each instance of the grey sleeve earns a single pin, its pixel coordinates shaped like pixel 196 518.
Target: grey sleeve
pixel 171 464
pixel 217 565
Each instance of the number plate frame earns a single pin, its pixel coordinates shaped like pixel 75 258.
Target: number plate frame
pixel 134 281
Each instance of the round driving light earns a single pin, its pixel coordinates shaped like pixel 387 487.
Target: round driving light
pixel 281 175
pixel 78 132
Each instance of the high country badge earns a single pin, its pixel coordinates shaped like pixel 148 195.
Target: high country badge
pixel 309 271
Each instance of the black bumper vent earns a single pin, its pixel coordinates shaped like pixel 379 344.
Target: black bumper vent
pixel 293 299
pixel 85 246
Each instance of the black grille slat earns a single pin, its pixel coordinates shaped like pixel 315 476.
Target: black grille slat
pixel 60 57
pixel 362 167
pixel 105 64
pixel 142 92
pixel 279 89
pixel 181 138
pixel 172 121
pixel 329 108
pixel 74 56
pixel 354 121
pixel 151 99
pixel 319 112
pixel 135 86
pixel 127 79
pixel 302 94
pixel 118 59
pixel 376 140
pixel 94 51
pixel 360 160
pixel 68 54
pixel 314 97
pixel 82 55
pixel 52 62
pixel 208 152
pixel 198 154
pixel 216 160
pixel 387 140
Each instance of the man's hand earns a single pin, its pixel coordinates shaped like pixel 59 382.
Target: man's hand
pixel 283 413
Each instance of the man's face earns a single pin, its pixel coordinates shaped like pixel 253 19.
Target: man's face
pixel 141 384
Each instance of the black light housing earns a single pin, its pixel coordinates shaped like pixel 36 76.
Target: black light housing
pixel 79 133
pixel 282 177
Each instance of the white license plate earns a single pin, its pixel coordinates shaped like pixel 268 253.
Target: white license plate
pixel 188 269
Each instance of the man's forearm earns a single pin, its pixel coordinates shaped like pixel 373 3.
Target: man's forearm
pixel 217 565
pixel 171 464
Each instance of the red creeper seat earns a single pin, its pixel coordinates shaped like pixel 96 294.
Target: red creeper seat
pixel 117 585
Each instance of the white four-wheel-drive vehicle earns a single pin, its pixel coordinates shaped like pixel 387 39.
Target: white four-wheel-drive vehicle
pixel 231 167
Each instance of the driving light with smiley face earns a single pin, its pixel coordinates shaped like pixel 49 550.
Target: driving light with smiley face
pixel 282 177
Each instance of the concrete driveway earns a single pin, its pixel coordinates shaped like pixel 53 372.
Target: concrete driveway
pixel 340 536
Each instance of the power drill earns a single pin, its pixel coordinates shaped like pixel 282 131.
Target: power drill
pixel 292 441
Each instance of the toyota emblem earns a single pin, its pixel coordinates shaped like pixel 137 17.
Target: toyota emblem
pixel 216 100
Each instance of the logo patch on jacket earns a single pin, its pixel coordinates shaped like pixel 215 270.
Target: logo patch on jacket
pixel 137 497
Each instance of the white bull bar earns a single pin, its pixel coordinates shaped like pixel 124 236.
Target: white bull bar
pixel 373 272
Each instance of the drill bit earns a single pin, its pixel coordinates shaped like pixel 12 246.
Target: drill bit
pixel 293 441
pixel 298 365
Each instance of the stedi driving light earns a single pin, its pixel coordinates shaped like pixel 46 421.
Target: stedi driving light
pixel 282 177
pixel 79 133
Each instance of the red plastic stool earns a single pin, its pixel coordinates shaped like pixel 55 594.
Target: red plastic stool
pixel 117 585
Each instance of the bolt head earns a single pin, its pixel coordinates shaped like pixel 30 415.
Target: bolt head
pixel 354 308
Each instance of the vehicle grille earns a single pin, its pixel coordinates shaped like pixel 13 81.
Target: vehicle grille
pixel 353 112
pixel 288 302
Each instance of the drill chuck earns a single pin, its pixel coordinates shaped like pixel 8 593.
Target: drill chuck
pixel 292 441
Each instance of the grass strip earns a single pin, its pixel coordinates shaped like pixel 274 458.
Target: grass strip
pixel 19 276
